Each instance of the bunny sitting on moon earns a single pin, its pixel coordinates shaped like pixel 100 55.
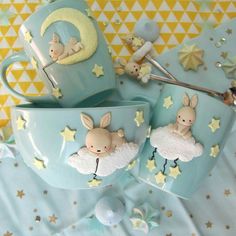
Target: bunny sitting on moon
pixel 105 151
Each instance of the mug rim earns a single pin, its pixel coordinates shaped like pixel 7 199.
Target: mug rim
pixel 108 105
pixel 218 101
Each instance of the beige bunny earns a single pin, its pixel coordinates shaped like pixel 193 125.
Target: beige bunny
pixel 58 51
pixel 100 141
pixel 186 116
pixel 133 41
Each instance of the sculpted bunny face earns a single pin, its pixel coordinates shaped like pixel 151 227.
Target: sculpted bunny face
pixel 98 140
pixel 56 48
pixel 186 115
pixel 132 69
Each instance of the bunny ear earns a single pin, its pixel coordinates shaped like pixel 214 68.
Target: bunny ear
pixel 194 101
pixel 186 100
pixel 55 38
pixel 105 120
pixel 86 121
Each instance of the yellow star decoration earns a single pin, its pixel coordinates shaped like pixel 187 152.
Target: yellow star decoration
pixel 214 125
pixel 227 192
pixel 89 12
pixel 137 42
pixel 139 118
pixel 168 102
pixel 68 134
pixel 20 194
pixel 28 36
pixel 34 63
pixel 52 219
pixel 160 178
pixel 215 151
pixel 151 165
pixel 98 70
pixel 8 234
pixel 131 165
pixel 174 172
pixel 209 224
pixel 56 92
pixel 94 183
pixel 39 164
pixel 20 122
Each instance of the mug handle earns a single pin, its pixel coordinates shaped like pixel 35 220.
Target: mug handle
pixel 18 57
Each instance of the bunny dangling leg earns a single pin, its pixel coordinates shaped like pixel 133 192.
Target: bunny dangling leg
pixel 175 161
pixel 164 167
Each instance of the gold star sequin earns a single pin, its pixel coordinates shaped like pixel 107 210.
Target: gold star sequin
pixel 208 224
pixel 139 118
pixel 168 102
pixel 137 42
pixel 174 172
pixel 94 183
pixel 160 178
pixel 39 164
pixel 28 36
pixel 89 12
pixel 224 55
pixel 34 63
pixel 131 165
pixel 215 151
pixel 68 134
pixel 56 92
pixel 8 234
pixel 151 165
pixel 20 194
pixel 214 125
pixel 227 192
pixel 52 219
pixel 98 70
pixel 21 122
pixel 229 31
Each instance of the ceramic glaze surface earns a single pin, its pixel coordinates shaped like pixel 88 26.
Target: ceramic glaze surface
pixel 183 176
pixel 47 137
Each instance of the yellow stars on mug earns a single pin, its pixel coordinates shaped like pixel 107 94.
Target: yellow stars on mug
pixel 139 118
pixel 20 194
pixel 215 150
pixel 34 63
pixel 94 183
pixel 168 102
pixel 39 164
pixel 214 125
pixel 151 165
pixel 52 219
pixel 160 178
pixel 98 70
pixel 56 92
pixel 8 234
pixel 28 36
pixel 209 224
pixel 20 123
pixel 174 172
pixel 68 134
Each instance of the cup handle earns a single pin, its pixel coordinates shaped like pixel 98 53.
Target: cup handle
pixel 17 57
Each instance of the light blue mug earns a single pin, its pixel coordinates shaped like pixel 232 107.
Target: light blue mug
pixel 189 130
pixel 67 48
pixel 74 148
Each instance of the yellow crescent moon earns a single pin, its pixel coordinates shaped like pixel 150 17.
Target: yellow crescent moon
pixel 88 33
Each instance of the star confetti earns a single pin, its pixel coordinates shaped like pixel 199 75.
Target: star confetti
pixel 139 118
pixel 20 194
pixel 56 92
pixel 68 134
pixel 174 172
pixel 94 183
pixel 215 151
pixel 168 102
pixel 52 219
pixel 160 178
pixel 214 125
pixel 98 70
pixel 34 63
pixel 151 165
pixel 39 164
pixel 227 192
pixel 21 122
pixel 28 36
pixel 209 224
pixel 8 234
